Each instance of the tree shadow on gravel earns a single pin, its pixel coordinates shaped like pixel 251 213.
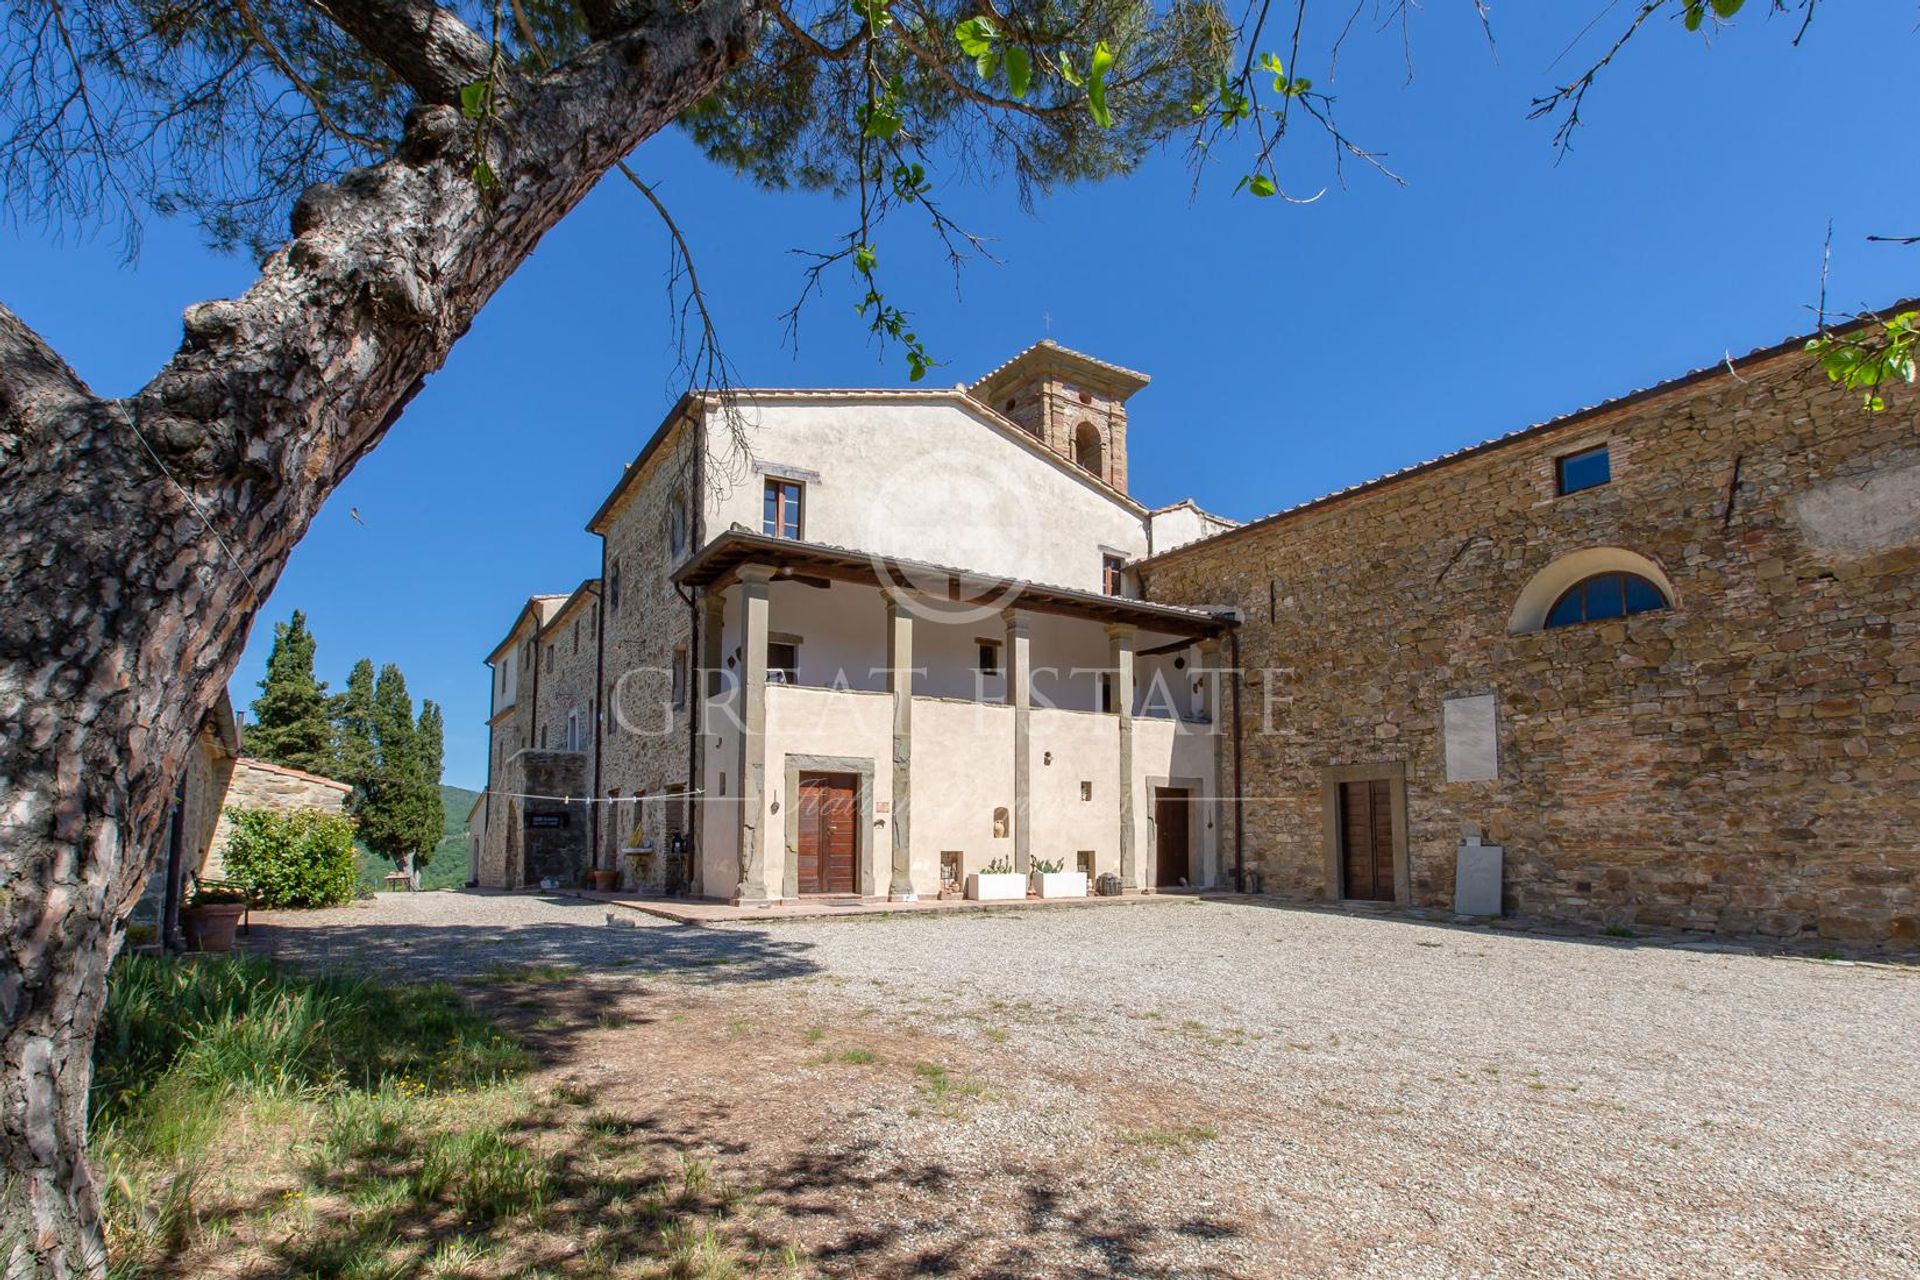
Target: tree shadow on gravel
pixel 428 951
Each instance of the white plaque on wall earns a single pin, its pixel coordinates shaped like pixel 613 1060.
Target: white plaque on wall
pixel 1473 739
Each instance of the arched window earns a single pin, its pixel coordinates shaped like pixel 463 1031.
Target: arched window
pixel 1087 449
pixel 1605 595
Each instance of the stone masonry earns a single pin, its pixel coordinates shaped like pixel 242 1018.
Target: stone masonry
pixel 650 526
pixel 255 784
pixel 1746 761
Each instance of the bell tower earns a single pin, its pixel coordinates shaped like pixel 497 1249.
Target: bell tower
pixel 1073 404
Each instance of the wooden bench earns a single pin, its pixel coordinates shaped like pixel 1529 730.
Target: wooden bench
pixel 397 880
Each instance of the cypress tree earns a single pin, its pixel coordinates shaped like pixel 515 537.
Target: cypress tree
pixel 290 721
pixel 395 810
pixel 431 735
pixel 353 731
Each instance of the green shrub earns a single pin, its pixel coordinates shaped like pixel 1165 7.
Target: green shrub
pixel 303 858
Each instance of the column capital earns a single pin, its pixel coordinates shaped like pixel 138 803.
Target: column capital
pixel 1018 621
pixel 1119 631
pixel 755 574
pixel 899 604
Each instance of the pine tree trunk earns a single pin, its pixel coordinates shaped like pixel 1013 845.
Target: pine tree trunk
pixel 138 538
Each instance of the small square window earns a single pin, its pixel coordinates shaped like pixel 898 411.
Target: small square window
pixel 1113 574
pixel 1086 789
pixel 989 664
pixel 1588 469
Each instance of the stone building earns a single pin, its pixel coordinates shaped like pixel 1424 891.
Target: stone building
pixel 1665 652
pixel 816 599
pixel 1661 653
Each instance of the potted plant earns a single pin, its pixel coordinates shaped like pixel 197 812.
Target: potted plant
pixel 605 879
pixel 996 882
pixel 1051 879
pixel 212 915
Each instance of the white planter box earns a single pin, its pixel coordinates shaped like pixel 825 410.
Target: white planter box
pixel 1060 884
pixel 1002 887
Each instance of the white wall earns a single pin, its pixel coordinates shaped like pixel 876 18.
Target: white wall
pixel 962 772
pixel 927 481
pixel 1178 525
pixel 1084 746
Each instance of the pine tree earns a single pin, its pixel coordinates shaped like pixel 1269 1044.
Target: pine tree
pixel 398 803
pixel 290 721
pixel 353 730
pixel 431 734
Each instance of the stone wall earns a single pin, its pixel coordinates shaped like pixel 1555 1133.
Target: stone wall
pixel 1745 761
pixel 648 631
pixel 255 784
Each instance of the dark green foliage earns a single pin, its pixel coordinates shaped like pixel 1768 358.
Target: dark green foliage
pixel 303 858
pixel 290 717
pixel 784 118
pixel 431 733
pixel 353 747
pixel 399 811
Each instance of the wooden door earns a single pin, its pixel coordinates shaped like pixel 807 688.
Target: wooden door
pixel 829 832
pixel 1170 836
pixel 1366 840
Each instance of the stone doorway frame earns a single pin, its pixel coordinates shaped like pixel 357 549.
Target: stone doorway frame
pixel 1198 868
pixel 1394 774
pixel 861 767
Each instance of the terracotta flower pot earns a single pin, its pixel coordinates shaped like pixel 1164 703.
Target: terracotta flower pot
pixel 210 927
pixel 605 881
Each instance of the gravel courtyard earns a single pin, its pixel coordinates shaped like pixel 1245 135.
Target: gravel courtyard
pixel 1202 1088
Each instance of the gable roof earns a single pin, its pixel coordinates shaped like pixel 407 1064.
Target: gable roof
pixel 698 404
pixel 1568 422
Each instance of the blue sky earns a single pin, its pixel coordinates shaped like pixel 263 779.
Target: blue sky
pixel 1294 350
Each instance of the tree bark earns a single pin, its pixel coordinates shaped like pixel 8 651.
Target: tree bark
pixel 139 537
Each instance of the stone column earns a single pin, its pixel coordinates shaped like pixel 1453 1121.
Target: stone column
pixel 1212 663
pixel 1020 697
pixel 900 685
pixel 1120 638
pixel 753 732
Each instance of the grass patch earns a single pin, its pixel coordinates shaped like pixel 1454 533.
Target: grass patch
pixel 941 1085
pixel 534 974
pixel 1183 1138
pixel 248 1116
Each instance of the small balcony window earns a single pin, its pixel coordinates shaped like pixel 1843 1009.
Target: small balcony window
pixel 1113 572
pixel 783 662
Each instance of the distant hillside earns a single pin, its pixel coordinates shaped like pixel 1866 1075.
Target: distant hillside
pixel 448 867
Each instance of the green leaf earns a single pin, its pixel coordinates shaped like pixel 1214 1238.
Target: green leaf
pixel 987 64
pixel 1298 86
pixel 1019 71
pixel 1727 8
pixel 483 176
pixel 1261 185
pixel 1097 84
pixel 473 100
pixel 1696 14
pixel 976 36
pixel 864 259
pixel 1067 72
